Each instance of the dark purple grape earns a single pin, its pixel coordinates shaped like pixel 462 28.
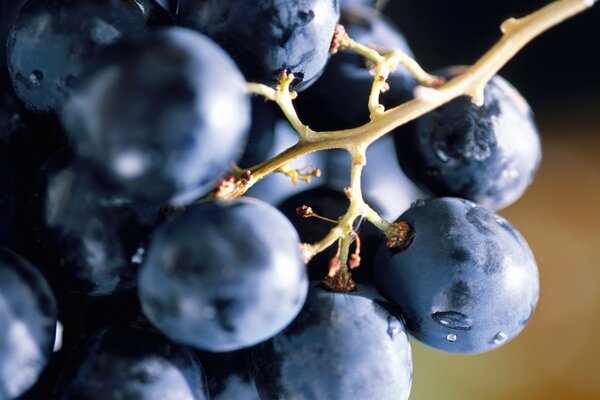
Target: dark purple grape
pixel 8 11
pixel 127 362
pixel 81 315
pixel 99 239
pixel 341 346
pixel 265 37
pixel 53 41
pixel 223 275
pixel 466 283
pixel 163 118
pixel 229 375
pixel 486 154
pixel 27 324
pixel 348 80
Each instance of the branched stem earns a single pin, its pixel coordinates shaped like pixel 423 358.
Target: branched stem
pixel 516 33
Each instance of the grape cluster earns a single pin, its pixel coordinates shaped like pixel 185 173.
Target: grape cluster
pixel 127 134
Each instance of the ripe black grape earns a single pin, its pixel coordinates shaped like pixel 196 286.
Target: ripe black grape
pixel 27 324
pixel 466 283
pixel 266 37
pixel 486 154
pixel 163 118
pixel 341 346
pixel 100 239
pixel 221 276
pixel 129 362
pixel 52 42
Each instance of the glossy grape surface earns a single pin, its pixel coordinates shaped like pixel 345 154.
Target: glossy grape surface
pixel 100 240
pixel 163 118
pixel 27 324
pixel 265 37
pixel 467 283
pixel 221 276
pixel 341 346
pixel 261 135
pixel 52 42
pixel 486 154
pixel 127 362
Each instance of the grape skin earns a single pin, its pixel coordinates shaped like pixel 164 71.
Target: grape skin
pixel 161 118
pixel 341 346
pixel 52 42
pixel 266 37
pixel 95 235
pixel 486 154
pixel 229 376
pixel 467 283
pixel 130 362
pixel 222 276
pixel 28 315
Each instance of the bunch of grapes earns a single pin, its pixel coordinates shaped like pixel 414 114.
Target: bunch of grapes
pixel 132 263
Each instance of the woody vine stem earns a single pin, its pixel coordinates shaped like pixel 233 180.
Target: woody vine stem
pixel 432 93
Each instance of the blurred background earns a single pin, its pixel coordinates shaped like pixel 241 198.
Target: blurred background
pixel 557 356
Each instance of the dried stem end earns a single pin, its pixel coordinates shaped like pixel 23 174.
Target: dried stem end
pixel 399 235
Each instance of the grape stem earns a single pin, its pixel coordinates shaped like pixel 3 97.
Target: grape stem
pixel 516 34
pixel 432 93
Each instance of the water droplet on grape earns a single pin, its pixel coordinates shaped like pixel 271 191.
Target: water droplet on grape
pixel 499 338
pixel 394 327
pixel 453 320
pixel 452 337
